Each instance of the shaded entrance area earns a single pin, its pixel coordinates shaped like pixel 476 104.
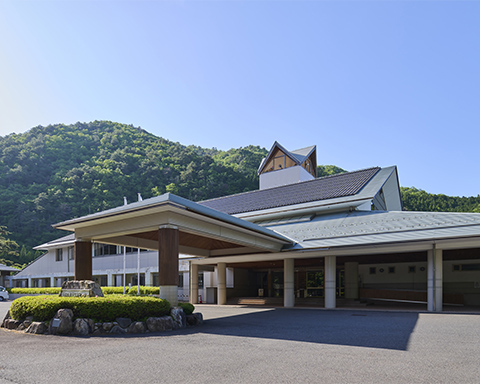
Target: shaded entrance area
pixel 433 280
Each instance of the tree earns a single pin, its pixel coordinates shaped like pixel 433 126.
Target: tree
pixel 8 248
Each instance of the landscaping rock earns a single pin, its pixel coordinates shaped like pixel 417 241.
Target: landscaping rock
pixel 199 317
pixel 117 330
pixel 62 323
pixel 7 317
pixel 179 317
pixel 160 324
pixel 37 328
pixel 87 288
pixel 107 326
pixel 81 327
pixel 123 322
pixel 191 320
pixel 12 324
pixel 137 327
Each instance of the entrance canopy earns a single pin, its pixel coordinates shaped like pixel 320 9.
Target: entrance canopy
pixel 202 231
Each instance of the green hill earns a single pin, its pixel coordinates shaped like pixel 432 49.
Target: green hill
pixel 54 173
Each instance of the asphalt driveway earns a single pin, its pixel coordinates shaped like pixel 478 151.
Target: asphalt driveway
pixel 260 345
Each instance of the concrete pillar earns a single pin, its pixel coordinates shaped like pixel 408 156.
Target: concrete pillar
pixel 351 280
pixel 168 263
pixel 330 281
pixel 222 283
pixel 438 255
pixel 83 260
pixel 110 282
pixel 288 283
pixel 430 281
pixel 193 283
pixel 52 281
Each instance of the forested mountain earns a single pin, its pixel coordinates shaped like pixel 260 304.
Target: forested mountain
pixel 418 200
pixel 54 173
pixel 58 172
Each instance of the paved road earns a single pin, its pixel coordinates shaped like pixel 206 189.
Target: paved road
pixel 248 345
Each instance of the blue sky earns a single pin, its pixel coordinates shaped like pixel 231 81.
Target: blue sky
pixel 371 83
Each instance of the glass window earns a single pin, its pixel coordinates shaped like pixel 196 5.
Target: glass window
pixel 71 253
pixel 59 254
pixel 180 280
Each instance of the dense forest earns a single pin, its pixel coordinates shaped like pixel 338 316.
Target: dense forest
pixel 54 173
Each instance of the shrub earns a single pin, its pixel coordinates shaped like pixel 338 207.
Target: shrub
pixel 144 290
pixel 34 291
pixel 113 290
pixel 44 308
pixel 187 308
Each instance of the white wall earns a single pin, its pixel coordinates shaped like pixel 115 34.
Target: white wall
pixel 285 176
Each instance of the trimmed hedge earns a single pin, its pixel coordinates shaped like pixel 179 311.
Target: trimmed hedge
pixel 187 308
pixel 101 309
pixel 144 290
pixel 35 291
pixel 105 290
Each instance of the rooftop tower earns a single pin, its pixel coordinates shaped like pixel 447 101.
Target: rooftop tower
pixel 282 167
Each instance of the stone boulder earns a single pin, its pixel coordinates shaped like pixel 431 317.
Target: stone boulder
pixel 118 330
pixel 137 327
pixel 11 323
pixel 81 327
pixel 123 322
pixel 7 317
pixel 160 324
pixel 62 323
pixel 37 328
pixel 179 317
pixel 87 288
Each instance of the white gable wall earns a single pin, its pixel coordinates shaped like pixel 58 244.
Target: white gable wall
pixel 290 175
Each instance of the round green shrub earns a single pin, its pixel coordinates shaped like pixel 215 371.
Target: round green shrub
pixel 187 308
pixel 102 309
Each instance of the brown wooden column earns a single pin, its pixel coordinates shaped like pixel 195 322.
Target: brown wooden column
pixel 168 263
pixel 83 260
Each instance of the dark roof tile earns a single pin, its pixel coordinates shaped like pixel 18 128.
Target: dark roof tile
pixel 329 187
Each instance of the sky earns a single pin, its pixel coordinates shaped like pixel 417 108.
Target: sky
pixel 371 83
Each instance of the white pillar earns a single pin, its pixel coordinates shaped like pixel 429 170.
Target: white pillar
pixel 110 282
pixel 52 281
pixel 430 281
pixel 438 255
pixel 221 283
pixel 193 283
pixel 148 278
pixel 351 280
pixel 330 281
pixel 288 283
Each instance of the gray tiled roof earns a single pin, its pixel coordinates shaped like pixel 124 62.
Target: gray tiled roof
pixel 345 184
pixel 375 227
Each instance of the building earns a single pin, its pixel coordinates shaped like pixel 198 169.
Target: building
pixel 298 239
pixel 5 271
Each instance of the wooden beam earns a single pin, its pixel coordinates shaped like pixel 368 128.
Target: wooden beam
pixel 83 260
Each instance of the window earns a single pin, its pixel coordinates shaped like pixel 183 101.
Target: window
pixel 411 269
pixel 180 280
pixel 59 254
pixel 373 270
pixel 466 267
pixel 71 253
pixel 391 269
